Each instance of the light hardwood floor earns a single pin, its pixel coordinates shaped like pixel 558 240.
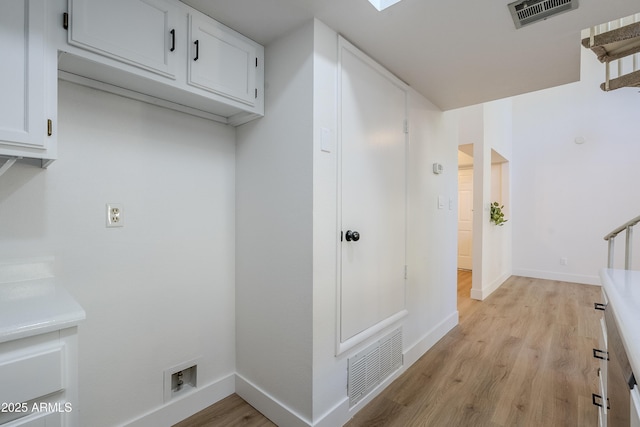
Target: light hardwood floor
pixel 522 357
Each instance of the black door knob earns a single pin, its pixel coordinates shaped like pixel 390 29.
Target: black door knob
pixel 352 235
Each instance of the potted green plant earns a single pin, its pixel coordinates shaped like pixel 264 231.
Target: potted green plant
pixel 497 216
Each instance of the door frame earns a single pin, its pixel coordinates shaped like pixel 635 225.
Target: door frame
pixel 342 346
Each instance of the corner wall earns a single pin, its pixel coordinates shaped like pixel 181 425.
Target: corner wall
pixel 274 282
pixel 567 196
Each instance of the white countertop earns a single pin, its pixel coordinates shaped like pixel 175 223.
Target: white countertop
pixel 36 307
pixel 623 290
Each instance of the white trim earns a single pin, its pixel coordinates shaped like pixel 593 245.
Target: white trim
pixel 420 347
pixel 562 277
pixel 369 332
pixel 183 407
pixel 267 405
pixel 481 294
pixel 342 346
pixel 138 96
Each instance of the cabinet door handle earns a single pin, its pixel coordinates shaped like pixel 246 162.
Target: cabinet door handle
pixel 173 40
pixel 605 354
pixel 197 43
pixel 599 306
pixel 599 404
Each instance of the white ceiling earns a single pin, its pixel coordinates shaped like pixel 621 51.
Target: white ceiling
pixel 456 53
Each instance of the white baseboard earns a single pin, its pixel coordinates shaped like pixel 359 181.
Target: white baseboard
pixel 183 407
pixel 563 277
pixel 341 413
pixel 416 350
pixel 481 294
pixel 271 408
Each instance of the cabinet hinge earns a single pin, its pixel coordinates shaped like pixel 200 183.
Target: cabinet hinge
pixel 49 127
pixel 256 93
pixel 406 126
pixel 65 21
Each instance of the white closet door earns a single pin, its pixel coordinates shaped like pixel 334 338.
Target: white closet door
pixel 465 219
pixel 372 193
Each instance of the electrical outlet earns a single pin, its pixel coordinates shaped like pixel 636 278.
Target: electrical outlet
pixel 115 216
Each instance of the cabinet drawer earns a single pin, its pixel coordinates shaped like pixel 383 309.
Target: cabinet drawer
pixel 27 376
pixel 38 420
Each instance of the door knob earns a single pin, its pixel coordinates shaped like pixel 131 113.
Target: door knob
pixel 352 235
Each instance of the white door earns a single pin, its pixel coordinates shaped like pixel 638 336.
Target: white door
pixel 143 33
pixel 465 219
pixel 222 61
pixel 373 192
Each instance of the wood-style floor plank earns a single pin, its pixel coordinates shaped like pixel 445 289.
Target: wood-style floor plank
pixel 231 411
pixel 521 357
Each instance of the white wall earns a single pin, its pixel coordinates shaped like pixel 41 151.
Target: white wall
pixel 497 255
pixel 566 197
pixel 158 291
pixel 488 128
pixel 432 232
pixel 287 256
pixel 274 236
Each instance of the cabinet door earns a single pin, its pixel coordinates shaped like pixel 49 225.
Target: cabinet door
pixel 372 106
pixel 137 32
pixel 222 61
pixel 22 80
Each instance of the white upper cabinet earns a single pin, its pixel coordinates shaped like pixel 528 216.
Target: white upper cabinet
pixel 28 82
pixel 222 61
pixel 163 52
pixel 136 32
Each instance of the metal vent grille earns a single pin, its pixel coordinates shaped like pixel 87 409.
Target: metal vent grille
pixel 373 365
pixel 529 11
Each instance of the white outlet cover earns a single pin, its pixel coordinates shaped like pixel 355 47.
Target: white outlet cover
pixel 115 215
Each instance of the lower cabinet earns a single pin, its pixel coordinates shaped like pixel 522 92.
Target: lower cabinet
pixel 602 354
pixel 39 380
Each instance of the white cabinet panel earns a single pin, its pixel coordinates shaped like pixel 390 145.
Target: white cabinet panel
pixel 222 61
pixel 38 420
pixel 24 82
pixel 137 32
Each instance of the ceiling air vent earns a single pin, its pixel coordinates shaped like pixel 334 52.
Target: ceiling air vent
pixel 529 11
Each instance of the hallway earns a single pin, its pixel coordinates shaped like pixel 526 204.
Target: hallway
pixel 522 357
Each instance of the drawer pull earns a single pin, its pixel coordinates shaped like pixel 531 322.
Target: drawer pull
pixel 173 40
pixel 599 354
pixel 599 306
pixel 197 43
pixel 598 404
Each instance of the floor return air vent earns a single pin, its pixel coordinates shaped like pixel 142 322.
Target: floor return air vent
pixel 527 12
pixel 373 365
